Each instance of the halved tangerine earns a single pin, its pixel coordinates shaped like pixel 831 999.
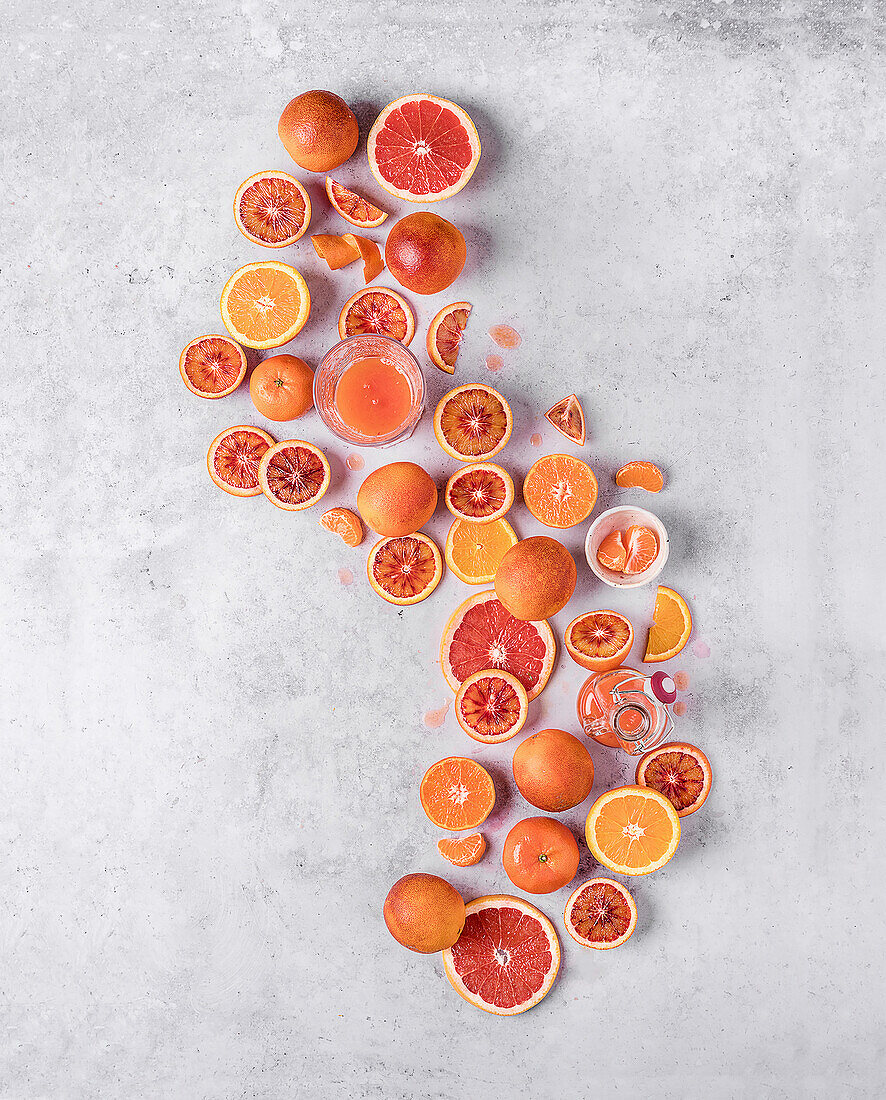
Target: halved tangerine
pixel 473 422
pixel 640 475
pixel 632 830
pixel 463 851
pixel 560 491
pixel 612 552
pixel 272 209
pixel 672 626
pixel 457 793
pixel 379 311
pixel 480 493
pixel 344 522
pixel 405 569
pixel 679 771
pixel 568 418
pixel 294 474
pixel 234 458
pixel 445 334
pixel 474 550
pixel 601 914
pixel 491 706
pixel 263 305
pixel 599 640
pixel 212 366
pixel 641 545
pixel 352 207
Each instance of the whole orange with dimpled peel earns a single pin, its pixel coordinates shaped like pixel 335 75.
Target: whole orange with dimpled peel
pixel 424 913
pixel 318 130
pixel 397 499
pixel 536 578
pixel 553 770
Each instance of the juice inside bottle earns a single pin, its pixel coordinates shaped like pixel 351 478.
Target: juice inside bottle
pixel 373 397
pixel 625 709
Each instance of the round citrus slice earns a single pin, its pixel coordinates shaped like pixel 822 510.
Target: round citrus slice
pixel 480 493
pixel 474 550
pixel 353 207
pixel 234 457
pixel 640 475
pixel 507 957
pixel 601 914
pixel 457 793
pixel 463 851
pixel 632 830
pixel 672 626
pixel 599 640
pixel 294 474
pixel 344 522
pixel 482 634
pixel 472 423
pixel 405 569
pixel 445 334
pixel 212 366
pixel 377 311
pixel 422 148
pixel 272 209
pixel 679 771
pixel 560 491
pixel 641 546
pixel 491 706
pixel 263 305
pixel 568 418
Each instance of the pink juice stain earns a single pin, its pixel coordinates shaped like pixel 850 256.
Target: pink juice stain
pixel 355 462
pixel 434 719
pixel 701 649
pixel 345 576
pixel 681 679
pixel 679 708
pixel 494 363
pixel 505 336
pixel 535 440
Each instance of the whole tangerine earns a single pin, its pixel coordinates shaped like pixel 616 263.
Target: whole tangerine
pixel 424 913
pixel 536 578
pixel 282 387
pixel 540 855
pixel 425 253
pixel 318 130
pixel 553 770
pixel 397 499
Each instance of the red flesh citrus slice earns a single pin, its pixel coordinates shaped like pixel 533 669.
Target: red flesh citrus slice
pixel 507 957
pixel 263 305
pixel 212 366
pixel 463 851
pixel 640 475
pixel 642 549
pixel 601 914
pixel 560 491
pixel 483 634
pixel 234 458
pixel 445 334
pixel 679 771
pixel 422 148
pixel 612 552
pixel 473 422
pixel 377 310
pixel 344 522
pixel 353 207
pixel 491 706
pixel 568 418
pixel 457 793
pixel 480 493
pixel 405 569
pixel 599 640
pixel 272 209
pixel 294 474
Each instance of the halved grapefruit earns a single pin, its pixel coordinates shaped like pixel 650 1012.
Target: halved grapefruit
pixel 234 457
pixel 212 366
pixel 272 209
pixel 294 474
pixel 375 310
pixel 353 207
pixel 445 335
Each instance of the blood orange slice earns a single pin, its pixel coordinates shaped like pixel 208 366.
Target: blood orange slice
pixel 457 793
pixel 491 706
pixel 640 475
pixel 568 418
pixel 482 634
pixel 272 209
pixel 599 640
pixel 405 569
pixel 294 474
pixel 560 491
pixel 473 422
pixel 234 457
pixel 601 914
pixel 445 334
pixel 263 305
pixel 353 207
pixel 422 148
pixel 344 522
pixel 679 771
pixel 463 851
pixel 480 493
pixel 642 549
pixel 212 366
pixel 507 957
pixel 377 310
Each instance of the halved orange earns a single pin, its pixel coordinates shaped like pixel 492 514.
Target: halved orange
pixel 463 851
pixel 568 418
pixel 474 550
pixel 612 552
pixel 641 545
pixel 491 706
pixel 672 626
pixel 600 914
pixel 337 250
pixel 377 310
pixel 344 522
pixel 263 305
pixel 457 793
pixel 353 207
pixel 560 491
pixel 212 366
pixel 632 830
pixel 599 640
pixel 480 493
pixel 445 335
pixel 679 771
pixel 405 569
pixel 294 474
pixel 272 209
pixel 234 458
pixel 473 422
pixel 640 475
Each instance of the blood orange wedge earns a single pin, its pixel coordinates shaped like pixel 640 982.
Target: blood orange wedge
pixel 641 544
pixel 264 305
pixel 560 491
pixel 612 552
pixel 480 493
pixel 599 640
pixel 463 851
pixel 377 310
pixel 344 522
pixel 601 914
pixel 272 208
pixel 457 793
pixel 640 475
pixel 445 334
pixel 422 148
pixel 212 366
pixel 473 422
pixel 474 550
pixel 507 957
pixel 491 706
pixel 353 207
pixel 294 474
pixel 338 251
pixel 234 457
pixel 482 634
pixel 568 418
pixel 632 830
pixel 672 626
pixel 679 771
pixel 405 569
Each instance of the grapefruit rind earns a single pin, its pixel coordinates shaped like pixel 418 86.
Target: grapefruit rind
pixel 600 945
pixel 636 868
pixel 182 366
pixel 279 448
pixel 514 684
pixel 253 491
pixel 688 750
pixel 256 178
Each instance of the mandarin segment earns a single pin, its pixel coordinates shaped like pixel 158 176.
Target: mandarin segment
pixel 640 475
pixel 642 549
pixel 343 522
pixel 463 851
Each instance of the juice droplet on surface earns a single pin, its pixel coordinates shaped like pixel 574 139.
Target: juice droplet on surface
pixel 505 336
pixel 535 440
pixel 345 576
pixel 701 649
pixel 679 708
pixel 681 679
pixel 434 719
pixel 355 462
pixel 494 362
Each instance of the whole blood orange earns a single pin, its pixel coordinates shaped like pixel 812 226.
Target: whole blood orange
pixel 212 366
pixel 540 855
pixel 405 569
pixel 397 499
pixel 424 913
pixel 293 474
pixel 480 493
pixel 234 458
pixel 445 334
pixel 425 253
pixel 473 422
pixel 282 387
pixel 568 418
pixel 353 207
pixel 457 793
pixel 599 640
pixel 679 771
pixel 560 491
pixel 318 130
pixel 536 578
pixel 491 706
pixel 553 770
pixel 272 209
pixel 463 851
pixel 377 310
pixel 601 914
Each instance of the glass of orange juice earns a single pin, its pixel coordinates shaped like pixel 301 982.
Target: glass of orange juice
pixel 370 391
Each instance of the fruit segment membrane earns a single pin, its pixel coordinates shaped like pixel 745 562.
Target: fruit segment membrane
pixel 373 397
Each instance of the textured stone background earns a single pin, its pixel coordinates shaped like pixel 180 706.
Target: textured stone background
pixel 211 747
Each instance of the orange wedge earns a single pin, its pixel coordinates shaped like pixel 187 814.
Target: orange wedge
pixel 632 830
pixel 263 305
pixel 640 475
pixel 560 491
pixel 673 625
pixel 474 550
pixel 337 251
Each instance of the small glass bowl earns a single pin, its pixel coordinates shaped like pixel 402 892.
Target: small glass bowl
pixel 337 360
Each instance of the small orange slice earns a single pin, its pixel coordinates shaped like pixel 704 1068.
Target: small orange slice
pixel 612 552
pixel 463 851
pixel 472 423
pixel 679 771
pixel 353 207
pixel 474 550
pixel 640 475
pixel 344 522
pixel 337 251
pixel 263 305
pixel 457 793
pixel 234 458
pixel 642 549
pixel 405 569
pixel 445 334
pixel 560 491
pixel 272 209
pixel 599 640
pixel 294 474
pixel 370 253
pixel 480 493
pixel 491 706
pixel 600 914
pixel 212 366
pixel 378 311
pixel 673 625
pixel 632 830
pixel 568 418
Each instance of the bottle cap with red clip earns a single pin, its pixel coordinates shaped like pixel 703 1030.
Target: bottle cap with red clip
pixel 663 687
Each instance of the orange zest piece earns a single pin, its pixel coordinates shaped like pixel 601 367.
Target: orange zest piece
pixel 445 334
pixel 405 569
pixel 344 522
pixel 263 305
pixel 612 552
pixel 560 491
pixel 463 851
pixel 370 253
pixel 457 793
pixel 672 627
pixel 640 475
pixel 337 251
pixel 353 207
pixel 474 550
pixel 568 418
pixel 632 830
pixel 642 549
